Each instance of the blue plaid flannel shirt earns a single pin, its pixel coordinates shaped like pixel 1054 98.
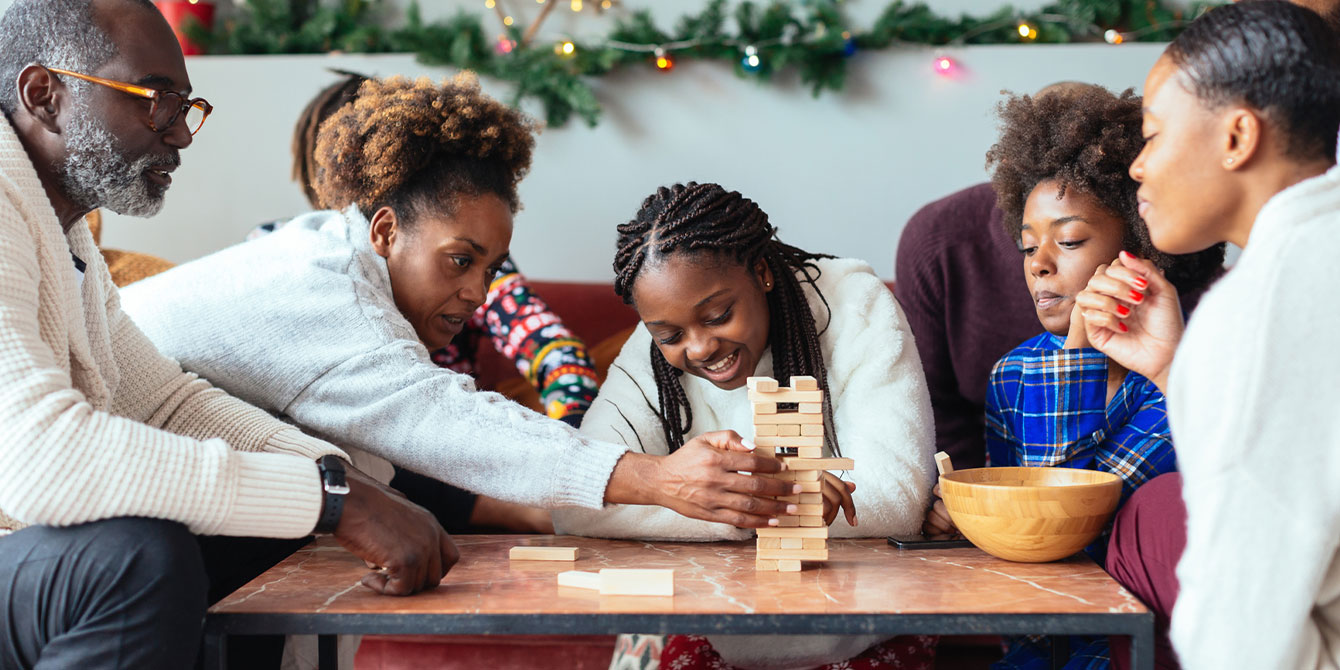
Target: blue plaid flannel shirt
pixel 1047 406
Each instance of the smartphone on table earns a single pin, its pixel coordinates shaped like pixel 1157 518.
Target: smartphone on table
pixel 953 541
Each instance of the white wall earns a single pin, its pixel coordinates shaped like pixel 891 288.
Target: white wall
pixel 840 174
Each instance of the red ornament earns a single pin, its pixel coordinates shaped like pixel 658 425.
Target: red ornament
pixel 180 12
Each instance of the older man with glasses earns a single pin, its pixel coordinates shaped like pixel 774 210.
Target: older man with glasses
pixel 112 459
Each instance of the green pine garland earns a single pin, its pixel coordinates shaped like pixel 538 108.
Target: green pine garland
pixel 809 36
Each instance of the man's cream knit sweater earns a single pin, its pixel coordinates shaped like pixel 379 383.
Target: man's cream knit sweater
pixel 95 423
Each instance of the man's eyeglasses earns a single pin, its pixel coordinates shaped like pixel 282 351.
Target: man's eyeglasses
pixel 164 106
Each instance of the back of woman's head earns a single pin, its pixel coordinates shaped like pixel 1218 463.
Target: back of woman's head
pixel 1084 138
pixel 417 147
pixel 1275 56
pixel 318 109
pixel 706 221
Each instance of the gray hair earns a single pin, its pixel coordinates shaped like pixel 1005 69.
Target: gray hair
pixel 56 33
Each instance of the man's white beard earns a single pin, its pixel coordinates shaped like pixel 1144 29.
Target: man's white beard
pixel 95 173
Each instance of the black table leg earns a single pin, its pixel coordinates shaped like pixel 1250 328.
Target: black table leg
pixel 327 652
pixel 1060 651
pixel 216 651
pixel 1142 647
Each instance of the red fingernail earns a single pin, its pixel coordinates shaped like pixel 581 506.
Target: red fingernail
pixel 1140 281
pixel 1137 296
pixel 1123 311
pixel 1126 255
pixel 1123 327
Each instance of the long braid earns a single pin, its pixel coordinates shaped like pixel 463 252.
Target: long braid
pixel 705 218
pixel 326 103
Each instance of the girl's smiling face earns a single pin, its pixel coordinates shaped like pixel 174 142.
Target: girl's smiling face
pixel 1063 242
pixel 708 315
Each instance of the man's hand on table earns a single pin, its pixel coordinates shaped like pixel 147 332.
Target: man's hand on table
pixel 382 527
pixel 703 480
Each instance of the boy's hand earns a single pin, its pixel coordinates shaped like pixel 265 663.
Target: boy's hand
pixel 837 495
pixel 937 519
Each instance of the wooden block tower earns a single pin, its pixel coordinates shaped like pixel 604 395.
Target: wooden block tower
pixel 797 438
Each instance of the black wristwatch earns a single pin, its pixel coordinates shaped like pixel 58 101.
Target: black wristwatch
pixel 334 490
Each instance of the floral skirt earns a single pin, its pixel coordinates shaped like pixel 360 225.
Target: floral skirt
pixel 907 652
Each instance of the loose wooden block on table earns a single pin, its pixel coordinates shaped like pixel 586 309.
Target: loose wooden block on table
pixel 542 553
pixel 787 395
pixel 804 383
pixel 579 580
pixel 625 582
pixel 622 582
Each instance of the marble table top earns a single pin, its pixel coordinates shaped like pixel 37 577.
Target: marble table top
pixel 862 577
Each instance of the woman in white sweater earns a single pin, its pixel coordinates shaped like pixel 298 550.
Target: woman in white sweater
pixel 330 320
pixel 722 299
pixel 1241 114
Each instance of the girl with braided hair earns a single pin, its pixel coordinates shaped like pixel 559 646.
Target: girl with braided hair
pixel 331 319
pixel 722 299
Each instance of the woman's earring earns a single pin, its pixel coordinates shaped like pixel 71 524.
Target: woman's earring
pixel 1228 161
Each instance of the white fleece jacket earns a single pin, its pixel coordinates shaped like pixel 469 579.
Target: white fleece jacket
pixel 302 323
pixel 882 415
pixel 95 423
pixel 1252 402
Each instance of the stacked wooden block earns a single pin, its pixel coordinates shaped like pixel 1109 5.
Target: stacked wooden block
pixel 797 438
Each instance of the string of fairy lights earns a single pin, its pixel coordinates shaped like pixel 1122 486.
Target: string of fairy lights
pixel 662 55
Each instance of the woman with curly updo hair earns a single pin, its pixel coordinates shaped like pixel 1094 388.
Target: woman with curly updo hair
pixel 330 319
pixel 1055 401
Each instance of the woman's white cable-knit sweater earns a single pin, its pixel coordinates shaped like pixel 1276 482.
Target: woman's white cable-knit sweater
pixel 95 423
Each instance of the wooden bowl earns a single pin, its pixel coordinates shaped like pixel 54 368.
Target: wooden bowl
pixel 1030 515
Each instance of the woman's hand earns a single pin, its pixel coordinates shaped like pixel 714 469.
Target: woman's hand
pixel 937 519
pixel 837 495
pixel 703 480
pixel 1132 314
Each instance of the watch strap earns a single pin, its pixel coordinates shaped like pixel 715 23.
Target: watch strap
pixel 334 488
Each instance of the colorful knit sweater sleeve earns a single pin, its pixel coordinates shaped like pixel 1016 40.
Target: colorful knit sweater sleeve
pixel 545 351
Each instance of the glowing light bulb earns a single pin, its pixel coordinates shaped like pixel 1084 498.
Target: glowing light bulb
pixel 507 21
pixel 565 48
pixel 664 61
pixel 576 5
pixel 945 65
pixel 1114 37
pixel 505 45
pixel 490 4
pixel 1027 31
